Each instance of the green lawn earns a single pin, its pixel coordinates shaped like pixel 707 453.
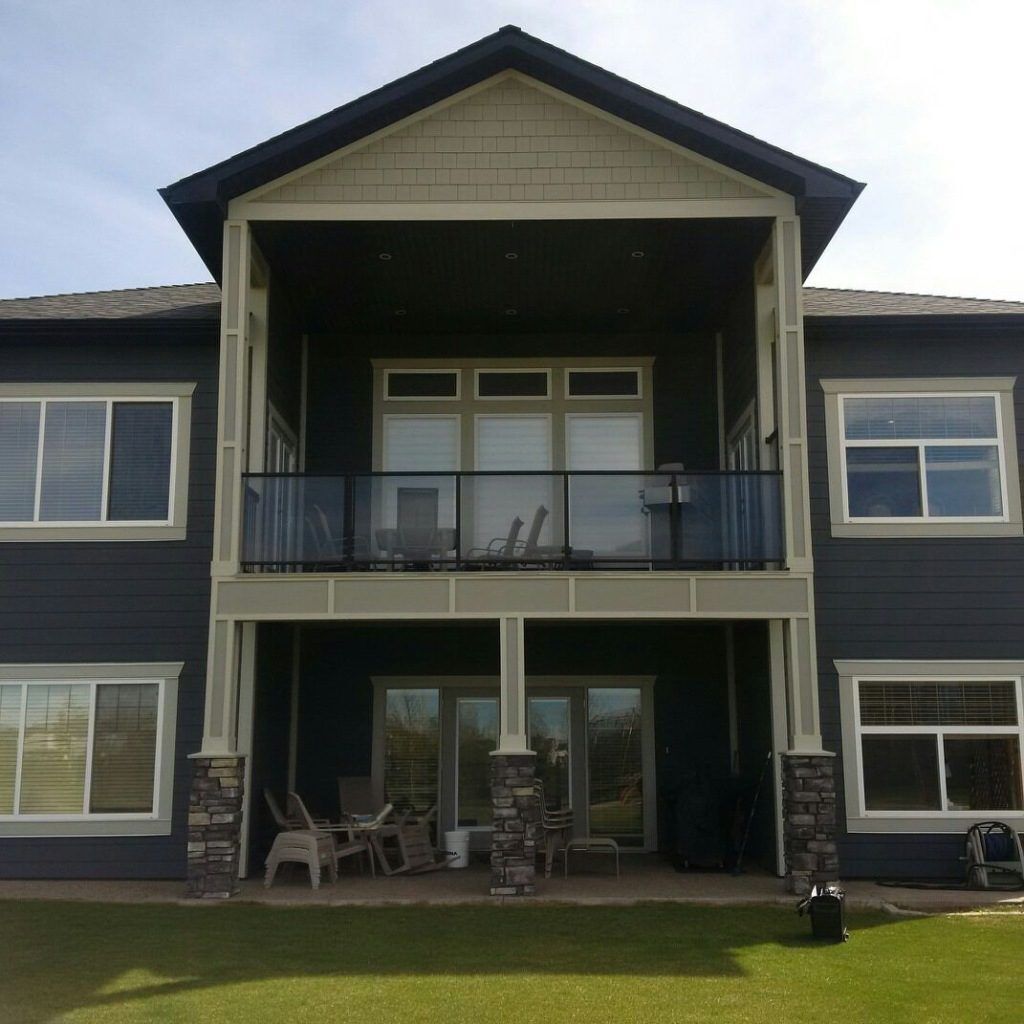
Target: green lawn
pixel 211 964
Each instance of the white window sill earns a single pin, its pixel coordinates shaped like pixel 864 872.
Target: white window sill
pixel 954 822
pixel 928 528
pixel 97 532
pixel 85 827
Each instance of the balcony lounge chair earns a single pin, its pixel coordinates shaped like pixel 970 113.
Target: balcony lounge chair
pixel 343 847
pixel 499 551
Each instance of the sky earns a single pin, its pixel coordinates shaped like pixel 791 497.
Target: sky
pixel 104 101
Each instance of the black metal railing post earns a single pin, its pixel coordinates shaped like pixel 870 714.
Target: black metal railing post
pixel 348 521
pixel 566 545
pixel 675 524
pixel 458 521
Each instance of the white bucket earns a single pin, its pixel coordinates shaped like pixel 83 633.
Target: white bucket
pixel 457 843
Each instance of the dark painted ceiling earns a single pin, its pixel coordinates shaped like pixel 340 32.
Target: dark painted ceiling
pixel 525 276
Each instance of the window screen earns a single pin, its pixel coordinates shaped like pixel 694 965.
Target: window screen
pixel 140 461
pixel 124 748
pixel 615 764
pixel 19 448
pixel 73 451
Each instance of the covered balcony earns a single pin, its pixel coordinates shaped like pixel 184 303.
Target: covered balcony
pixel 545 395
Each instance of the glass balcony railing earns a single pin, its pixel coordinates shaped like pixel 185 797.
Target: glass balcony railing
pixel 511 521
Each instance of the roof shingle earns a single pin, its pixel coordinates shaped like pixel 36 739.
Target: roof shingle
pixel 202 301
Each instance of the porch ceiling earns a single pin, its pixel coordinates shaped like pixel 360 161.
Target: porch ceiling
pixel 420 277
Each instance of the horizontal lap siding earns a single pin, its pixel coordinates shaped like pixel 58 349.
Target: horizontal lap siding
pixel 908 598
pixel 117 602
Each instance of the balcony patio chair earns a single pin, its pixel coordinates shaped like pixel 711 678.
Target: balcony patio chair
pixel 413 846
pixel 354 841
pixel 358 796
pixel 500 551
pixel 326 547
pixel 281 820
pixel 556 826
pixel 314 849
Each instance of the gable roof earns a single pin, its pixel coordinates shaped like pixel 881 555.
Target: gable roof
pixel 200 200
pixel 202 302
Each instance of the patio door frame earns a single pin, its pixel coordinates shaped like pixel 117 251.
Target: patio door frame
pixel 575 689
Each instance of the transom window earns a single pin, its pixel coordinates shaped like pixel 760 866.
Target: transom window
pixel 939 746
pixel 79 749
pixel 70 461
pixel 912 457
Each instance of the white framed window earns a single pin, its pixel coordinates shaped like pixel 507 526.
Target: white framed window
pixel 929 743
pixel 423 384
pixel 513 384
pixel 86 749
pixel 99 462
pixel 604 382
pixel 922 458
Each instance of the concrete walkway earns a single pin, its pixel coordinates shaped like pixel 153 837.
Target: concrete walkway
pixel 644 879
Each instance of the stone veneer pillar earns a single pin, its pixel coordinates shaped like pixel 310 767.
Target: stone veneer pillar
pixel 214 826
pixel 516 820
pixel 809 820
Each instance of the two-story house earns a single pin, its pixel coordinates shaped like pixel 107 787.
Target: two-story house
pixel 508 445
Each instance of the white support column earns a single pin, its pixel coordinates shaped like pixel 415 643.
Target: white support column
pixel 241 425
pixel 512 734
pixel 794 674
pixel 790 399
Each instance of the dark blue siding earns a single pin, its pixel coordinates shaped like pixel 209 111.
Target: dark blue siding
pixel 909 598
pixel 117 602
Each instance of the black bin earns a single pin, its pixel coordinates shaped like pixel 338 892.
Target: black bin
pixel 826 907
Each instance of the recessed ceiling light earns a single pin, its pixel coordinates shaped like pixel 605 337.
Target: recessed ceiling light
pixel 400 312
pixel 511 312
pixel 638 254
pixel 511 255
pixel 384 256
pixel 622 309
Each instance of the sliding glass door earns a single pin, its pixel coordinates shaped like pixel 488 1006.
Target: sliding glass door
pixel 615 763
pixel 594 747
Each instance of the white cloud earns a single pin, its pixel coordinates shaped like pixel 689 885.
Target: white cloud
pixel 103 103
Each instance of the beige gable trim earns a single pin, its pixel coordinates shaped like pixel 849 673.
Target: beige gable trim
pixel 507 140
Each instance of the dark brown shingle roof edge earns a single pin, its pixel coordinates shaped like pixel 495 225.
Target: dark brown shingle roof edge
pixel 202 302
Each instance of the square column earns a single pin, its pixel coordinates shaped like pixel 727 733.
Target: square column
pixel 214 826
pixel 515 809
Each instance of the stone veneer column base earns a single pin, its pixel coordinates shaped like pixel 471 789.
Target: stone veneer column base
pixel 516 819
pixel 214 826
pixel 809 821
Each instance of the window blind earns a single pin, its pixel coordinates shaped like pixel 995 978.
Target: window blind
pixel 421 444
pixel 124 748
pixel 604 442
pixel 938 703
pixel 74 441
pixel 19 446
pixel 54 758
pixel 412 741
pixel 10 726
pixel 615 764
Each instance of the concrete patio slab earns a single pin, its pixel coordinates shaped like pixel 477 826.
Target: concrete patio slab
pixel 644 879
